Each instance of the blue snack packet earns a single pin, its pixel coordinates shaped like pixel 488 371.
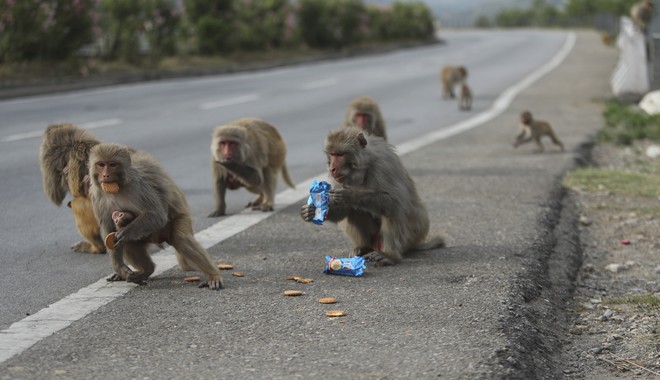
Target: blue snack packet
pixel 348 266
pixel 318 196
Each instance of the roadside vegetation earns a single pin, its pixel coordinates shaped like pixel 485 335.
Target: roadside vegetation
pixel 629 127
pixel 44 38
pixel 575 13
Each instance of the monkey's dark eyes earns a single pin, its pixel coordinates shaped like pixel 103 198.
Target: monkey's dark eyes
pixel 100 164
pixel 113 164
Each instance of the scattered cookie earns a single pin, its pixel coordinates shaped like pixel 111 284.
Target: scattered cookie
pixel 110 240
pixel 293 293
pixel 294 278
pixel 225 266
pixel 191 279
pixel 304 280
pixel 335 313
pixel 328 300
pixel 110 187
pixel 238 274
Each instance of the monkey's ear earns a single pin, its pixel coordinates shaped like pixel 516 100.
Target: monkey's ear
pixel 362 140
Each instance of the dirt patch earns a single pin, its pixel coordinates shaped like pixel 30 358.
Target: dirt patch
pixel 616 327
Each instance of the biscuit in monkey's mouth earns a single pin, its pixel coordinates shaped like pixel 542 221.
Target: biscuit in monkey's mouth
pixel 110 187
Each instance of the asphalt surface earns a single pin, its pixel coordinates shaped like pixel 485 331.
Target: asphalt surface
pixel 489 306
pixel 174 119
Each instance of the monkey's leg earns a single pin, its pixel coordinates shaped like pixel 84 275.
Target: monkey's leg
pixel 556 141
pixel 539 145
pixel 220 189
pixel 267 196
pixel 83 214
pixel 256 203
pixel 364 232
pixel 521 140
pixel 189 251
pixel 122 271
pixel 137 256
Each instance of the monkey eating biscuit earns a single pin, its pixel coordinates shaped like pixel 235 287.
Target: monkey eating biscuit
pixel 110 187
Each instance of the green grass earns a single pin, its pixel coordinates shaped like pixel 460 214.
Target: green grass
pixel 626 124
pixel 617 181
pixel 641 300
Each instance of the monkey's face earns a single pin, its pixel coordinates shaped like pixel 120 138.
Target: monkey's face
pixel 122 218
pixel 526 117
pixel 107 171
pixel 364 120
pixel 338 166
pixel 229 150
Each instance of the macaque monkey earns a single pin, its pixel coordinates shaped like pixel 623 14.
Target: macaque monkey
pixel 363 112
pixel 154 210
pixel 122 218
pixel 465 101
pixel 450 76
pixel 533 130
pixel 247 153
pixel 373 199
pixel 63 158
pixel 641 14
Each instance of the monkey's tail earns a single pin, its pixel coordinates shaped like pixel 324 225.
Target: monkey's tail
pixel 287 179
pixel 436 242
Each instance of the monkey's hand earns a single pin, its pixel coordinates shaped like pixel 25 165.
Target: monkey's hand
pixel 122 274
pixel 307 212
pixel 213 283
pixel 242 174
pixel 344 196
pixel 120 236
pixel 378 259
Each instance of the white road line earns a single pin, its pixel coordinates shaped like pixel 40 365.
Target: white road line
pixel 100 123
pixel 23 334
pixel 229 102
pixel 89 125
pixel 320 84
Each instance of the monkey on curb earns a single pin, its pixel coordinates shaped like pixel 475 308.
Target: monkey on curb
pixel 373 199
pixel 450 76
pixel 248 153
pixel 534 130
pixel 63 158
pixel 154 210
pixel 363 112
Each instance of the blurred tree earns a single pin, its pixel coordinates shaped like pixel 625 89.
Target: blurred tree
pixel 44 29
pixel 212 23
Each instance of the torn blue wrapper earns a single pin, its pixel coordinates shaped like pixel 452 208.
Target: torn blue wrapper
pixel 318 196
pixel 347 266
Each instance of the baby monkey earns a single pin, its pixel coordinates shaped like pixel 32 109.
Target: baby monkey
pixel 531 129
pixel 465 99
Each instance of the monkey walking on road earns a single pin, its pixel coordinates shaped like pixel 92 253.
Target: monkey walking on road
pixel 465 100
pixel 450 76
pixel 63 157
pixel 534 130
pixel 363 112
pixel 136 199
pixel 247 153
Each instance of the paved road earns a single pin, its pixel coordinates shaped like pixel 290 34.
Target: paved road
pixel 471 310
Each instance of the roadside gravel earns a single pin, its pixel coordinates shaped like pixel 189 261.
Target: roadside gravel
pixel 619 238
